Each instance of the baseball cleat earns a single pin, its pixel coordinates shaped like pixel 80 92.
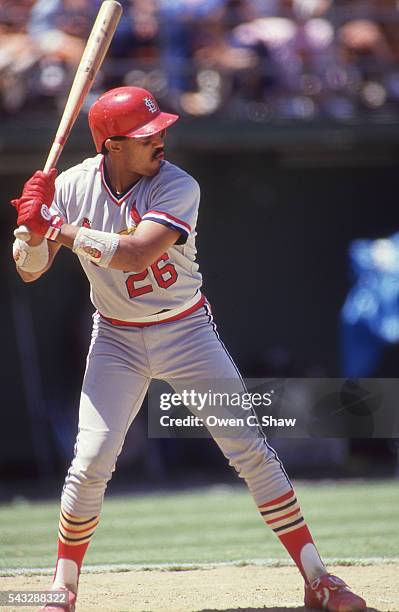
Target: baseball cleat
pixel 333 595
pixel 59 607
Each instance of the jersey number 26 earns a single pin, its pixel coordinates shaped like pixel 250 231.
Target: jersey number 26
pixel 165 276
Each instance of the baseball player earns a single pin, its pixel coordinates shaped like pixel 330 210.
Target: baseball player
pixel 130 218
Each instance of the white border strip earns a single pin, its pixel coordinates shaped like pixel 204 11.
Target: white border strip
pixel 165 217
pixel 162 567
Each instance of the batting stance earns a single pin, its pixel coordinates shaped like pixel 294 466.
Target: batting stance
pixel 130 218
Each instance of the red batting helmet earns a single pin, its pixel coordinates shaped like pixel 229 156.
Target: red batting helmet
pixel 126 111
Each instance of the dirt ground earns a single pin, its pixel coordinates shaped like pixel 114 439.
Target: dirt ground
pixel 249 588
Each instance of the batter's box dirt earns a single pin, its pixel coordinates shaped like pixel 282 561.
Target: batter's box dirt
pixel 227 589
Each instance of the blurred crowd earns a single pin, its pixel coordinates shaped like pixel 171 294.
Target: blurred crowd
pixel 255 59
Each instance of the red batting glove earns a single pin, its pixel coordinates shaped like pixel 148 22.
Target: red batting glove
pixel 38 218
pixel 39 187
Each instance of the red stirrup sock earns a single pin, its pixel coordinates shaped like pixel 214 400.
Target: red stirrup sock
pixel 74 538
pixel 284 516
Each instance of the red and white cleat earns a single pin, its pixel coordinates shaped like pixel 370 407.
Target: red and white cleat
pixel 68 606
pixel 333 595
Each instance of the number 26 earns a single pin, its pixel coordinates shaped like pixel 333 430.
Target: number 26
pixel 165 276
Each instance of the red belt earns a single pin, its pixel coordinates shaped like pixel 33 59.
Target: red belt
pixel 176 317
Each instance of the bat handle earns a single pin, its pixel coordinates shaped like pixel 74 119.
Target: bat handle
pixel 55 152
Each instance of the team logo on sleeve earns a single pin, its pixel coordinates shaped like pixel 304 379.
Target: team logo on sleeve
pixel 133 222
pixel 86 222
pixel 135 215
pixel 130 230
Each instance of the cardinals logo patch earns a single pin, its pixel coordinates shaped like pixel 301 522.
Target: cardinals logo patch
pixel 133 221
pixel 135 215
pixel 86 223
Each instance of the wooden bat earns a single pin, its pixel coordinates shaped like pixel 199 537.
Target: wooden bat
pixel 93 56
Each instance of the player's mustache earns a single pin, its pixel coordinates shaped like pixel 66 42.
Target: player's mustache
pixel 158 151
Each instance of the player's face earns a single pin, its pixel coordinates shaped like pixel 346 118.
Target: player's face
pixel 144 155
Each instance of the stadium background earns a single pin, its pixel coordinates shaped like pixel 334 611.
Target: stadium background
pixel 296 155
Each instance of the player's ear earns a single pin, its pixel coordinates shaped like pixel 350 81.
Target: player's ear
pixel 113 145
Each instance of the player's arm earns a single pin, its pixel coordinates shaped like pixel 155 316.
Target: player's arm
pixel 132 253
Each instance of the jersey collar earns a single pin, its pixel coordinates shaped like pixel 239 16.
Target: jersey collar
pixel 118 198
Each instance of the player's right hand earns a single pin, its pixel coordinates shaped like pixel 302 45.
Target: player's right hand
pixel 40 187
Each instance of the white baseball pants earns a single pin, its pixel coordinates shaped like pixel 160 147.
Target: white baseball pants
pixel 120 365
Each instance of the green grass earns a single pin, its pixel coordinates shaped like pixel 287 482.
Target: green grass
pixel 349 521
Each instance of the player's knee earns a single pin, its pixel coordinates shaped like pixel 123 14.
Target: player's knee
pixel 248 457
pixel 93 465
pixel 88 475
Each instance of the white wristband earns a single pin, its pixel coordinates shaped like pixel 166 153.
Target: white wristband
pixel 98 247
pixel 30 258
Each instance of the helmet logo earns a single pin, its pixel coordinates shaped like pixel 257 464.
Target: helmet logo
pixel 150 104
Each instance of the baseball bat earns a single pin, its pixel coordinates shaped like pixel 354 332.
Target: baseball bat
pixel 93 56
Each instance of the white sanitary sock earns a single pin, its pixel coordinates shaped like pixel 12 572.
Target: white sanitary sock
pixel 66 574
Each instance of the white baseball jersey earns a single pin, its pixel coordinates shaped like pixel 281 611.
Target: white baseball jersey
pixel 170 288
